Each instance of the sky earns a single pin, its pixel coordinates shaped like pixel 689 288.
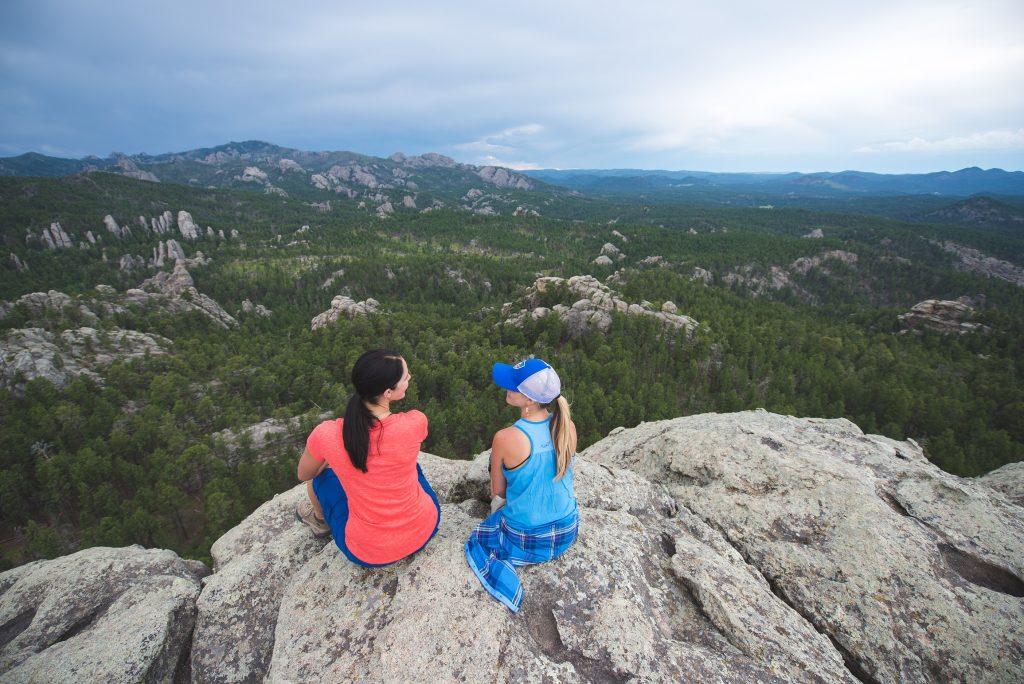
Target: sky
pixel 891 86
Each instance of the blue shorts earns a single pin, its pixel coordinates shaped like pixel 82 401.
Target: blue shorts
pixel 334 503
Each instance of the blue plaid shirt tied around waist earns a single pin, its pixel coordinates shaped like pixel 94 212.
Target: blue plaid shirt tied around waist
pixel 494 549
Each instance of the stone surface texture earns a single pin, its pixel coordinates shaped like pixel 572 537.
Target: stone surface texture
pixel 99 615
pixel 747 547
pixel 915 574
pixel 1009 480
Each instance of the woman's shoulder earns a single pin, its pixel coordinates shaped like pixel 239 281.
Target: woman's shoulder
pixel 412 416
pixel 328 428
pixel 510 435
pixel 324 434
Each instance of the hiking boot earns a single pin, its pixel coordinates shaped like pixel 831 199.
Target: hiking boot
pixel 304 511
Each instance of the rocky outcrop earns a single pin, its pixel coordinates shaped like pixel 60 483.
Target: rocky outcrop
pixel 114 229
pixel 127 167
pixel 253 174
pixel 53 237
pixel 504 178
pixel 16 263
pixel 30 353
pixel 38 304
pixel 610 250
pixel 815 234
pixel 131 262
pixel 163 223
pixel 430 159
pixel 266 439
pixel 344 306
pixel 332 278
pixel 914 574
pixel 166 250
pixel 186 226
pixel 1009 480
pixel 179 286
pixel 602 260
pixel 100 615
pixel 592 306
pixel 943 316
pixel 804 264
pixel 758 282
pixel 703 275
pixel 256 309
pixel 728 548
pixel 975 261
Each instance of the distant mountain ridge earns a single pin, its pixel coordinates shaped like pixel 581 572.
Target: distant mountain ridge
pixel 397 183
pixel 962 183
pixel 979 210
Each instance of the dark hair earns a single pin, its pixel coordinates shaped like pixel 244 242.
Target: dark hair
pixel 373 373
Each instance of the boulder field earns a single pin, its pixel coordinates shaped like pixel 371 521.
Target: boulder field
pixel 713 548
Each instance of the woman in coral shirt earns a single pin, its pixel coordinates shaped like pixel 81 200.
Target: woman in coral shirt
pixel 364 484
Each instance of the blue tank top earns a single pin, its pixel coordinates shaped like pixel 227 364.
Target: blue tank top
pixel 534 496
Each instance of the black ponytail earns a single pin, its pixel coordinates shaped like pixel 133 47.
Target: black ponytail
pixel 373 373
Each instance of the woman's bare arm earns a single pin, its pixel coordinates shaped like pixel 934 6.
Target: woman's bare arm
pixel 309 467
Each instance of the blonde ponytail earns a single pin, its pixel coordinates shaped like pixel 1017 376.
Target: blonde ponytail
pixel 562 436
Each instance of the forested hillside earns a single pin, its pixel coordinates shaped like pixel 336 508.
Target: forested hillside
pixel 797 311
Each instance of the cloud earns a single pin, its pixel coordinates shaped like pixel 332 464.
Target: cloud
pixel 515 165
pixel 746 85
pixel 990 140
pixel 508 141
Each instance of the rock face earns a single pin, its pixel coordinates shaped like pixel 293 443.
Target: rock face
pixel 114 229
pixel 610 250
pixel 163 223
pixel 186 226
pixel 130 262
pixel 504 178
pixel 179 286
pixel 1009 480
pixel 30 353
pixel 169 250
pixel 805 264
pixel 53 237
pixel 592 307
pixel 100 615
pixel 17 264
pixel 729 548
pixel 976 261
pixel 344 306
pixel 914 574
pixel 943 316
pixel 258 309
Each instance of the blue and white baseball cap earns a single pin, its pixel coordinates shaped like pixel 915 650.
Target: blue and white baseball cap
pixel 534 378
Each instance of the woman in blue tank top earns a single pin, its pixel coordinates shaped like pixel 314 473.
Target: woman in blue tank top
pixel 534 517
